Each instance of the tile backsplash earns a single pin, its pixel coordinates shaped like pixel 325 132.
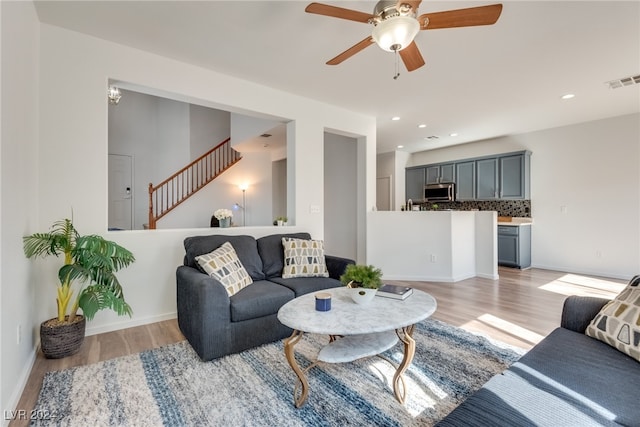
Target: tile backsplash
pixel 517 208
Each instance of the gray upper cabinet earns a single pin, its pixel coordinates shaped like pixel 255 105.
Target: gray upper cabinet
pixel 514 173
pixel 447 172
pixel 466 180
pixel 503 176
pixel 414 184
pixel 487 179
pixel 436 174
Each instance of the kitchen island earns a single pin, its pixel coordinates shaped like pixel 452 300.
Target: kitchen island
pixel 440 246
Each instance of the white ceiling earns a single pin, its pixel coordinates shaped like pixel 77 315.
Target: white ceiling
pixel 479 82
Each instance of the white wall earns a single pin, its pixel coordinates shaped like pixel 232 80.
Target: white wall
pixel 80 66
pixel 592 170
pixel 18 202
pixel 437 246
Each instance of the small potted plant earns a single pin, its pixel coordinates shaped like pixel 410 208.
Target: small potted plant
pixel 87 281
pixel 364 280
pixel 224 217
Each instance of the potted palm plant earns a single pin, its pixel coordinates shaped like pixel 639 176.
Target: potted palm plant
pixel 364 280
pixel 86 281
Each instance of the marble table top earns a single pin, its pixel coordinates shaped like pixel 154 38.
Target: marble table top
pixel 348 318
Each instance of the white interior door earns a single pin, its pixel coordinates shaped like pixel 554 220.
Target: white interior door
pixel 120 192
pixel 383 193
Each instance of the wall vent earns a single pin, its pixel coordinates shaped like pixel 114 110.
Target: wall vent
pixel 626 81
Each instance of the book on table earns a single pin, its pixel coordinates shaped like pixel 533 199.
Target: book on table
pixel 394 291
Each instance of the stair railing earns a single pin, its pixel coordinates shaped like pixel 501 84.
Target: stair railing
pixel 171 192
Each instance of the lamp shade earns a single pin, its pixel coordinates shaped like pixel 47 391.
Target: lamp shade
pixel 395 33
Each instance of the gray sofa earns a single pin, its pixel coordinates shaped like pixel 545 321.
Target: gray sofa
pixel 566 380
pixel 217 325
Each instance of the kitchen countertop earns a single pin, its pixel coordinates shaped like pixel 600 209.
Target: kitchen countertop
pixel 517 222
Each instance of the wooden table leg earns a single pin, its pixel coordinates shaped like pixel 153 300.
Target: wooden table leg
pixel 399 387
pixel 291 358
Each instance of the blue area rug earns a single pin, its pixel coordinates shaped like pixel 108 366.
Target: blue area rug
pixel 171 386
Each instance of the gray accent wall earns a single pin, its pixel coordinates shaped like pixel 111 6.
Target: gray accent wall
pixel 340 195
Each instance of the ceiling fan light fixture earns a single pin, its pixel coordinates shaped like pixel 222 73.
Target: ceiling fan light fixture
pixel 395 33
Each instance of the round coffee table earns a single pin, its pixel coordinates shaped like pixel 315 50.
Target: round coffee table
pixel 355 330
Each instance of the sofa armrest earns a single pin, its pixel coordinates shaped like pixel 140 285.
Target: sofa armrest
pixel 204 308
pixel 337 265
pixel 578 312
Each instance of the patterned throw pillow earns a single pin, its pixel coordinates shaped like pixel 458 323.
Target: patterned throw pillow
pixel 223 264
pixel 303 258
pixel 618 323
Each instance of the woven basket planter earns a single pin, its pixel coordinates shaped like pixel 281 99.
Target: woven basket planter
pixel 62 340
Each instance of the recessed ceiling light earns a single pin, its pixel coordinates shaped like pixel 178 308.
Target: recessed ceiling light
pixel 453 134
pixel 422 126
pixel 400 146
pixel 395 119
pixel 567 96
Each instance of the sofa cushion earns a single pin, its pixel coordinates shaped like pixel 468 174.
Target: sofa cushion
pixel 223 264
pixel 303 258
pixel 258 300
pixel 566 379
pixel 618 322
pixel 304 285
pixel 272 253
pixel 245 246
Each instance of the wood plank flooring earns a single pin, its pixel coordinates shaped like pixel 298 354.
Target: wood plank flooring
pixel 520 309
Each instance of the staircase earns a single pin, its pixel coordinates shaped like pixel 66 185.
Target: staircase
pixel 171 192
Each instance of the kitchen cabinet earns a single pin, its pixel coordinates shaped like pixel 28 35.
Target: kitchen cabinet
pixel 514 246
pixel 436 174
pixel 514 176
pixel 414 184
pixel 466 180
pixel 487 179
pixel 499 177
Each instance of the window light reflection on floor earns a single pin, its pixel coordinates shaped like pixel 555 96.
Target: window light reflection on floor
pixel 574 284
pixel 422 392
pixel 480 324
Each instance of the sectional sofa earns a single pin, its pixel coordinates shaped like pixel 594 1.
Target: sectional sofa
pixel 216 324
pixel 568 379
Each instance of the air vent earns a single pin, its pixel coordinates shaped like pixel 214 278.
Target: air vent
pixel 626 81
pixel 266 135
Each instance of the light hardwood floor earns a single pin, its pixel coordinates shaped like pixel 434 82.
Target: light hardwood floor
pixel 520 309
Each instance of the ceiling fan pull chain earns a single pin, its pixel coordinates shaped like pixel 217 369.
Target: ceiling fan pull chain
pixel 395 77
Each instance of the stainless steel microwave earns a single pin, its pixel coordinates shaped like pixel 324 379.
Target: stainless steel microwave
pixel 444 192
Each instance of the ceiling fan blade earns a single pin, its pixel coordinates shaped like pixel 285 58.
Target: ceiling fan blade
pixel 482 15
pixel 338 12
pixel 411 57
pixel 351 51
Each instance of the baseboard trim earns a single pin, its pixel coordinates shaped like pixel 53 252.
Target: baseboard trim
pixel 444 279
pixel 488 276
pixel 116 326
pixel 19 388
pixel 585 272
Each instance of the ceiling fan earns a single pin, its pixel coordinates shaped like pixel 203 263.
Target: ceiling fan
pixel 396 23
